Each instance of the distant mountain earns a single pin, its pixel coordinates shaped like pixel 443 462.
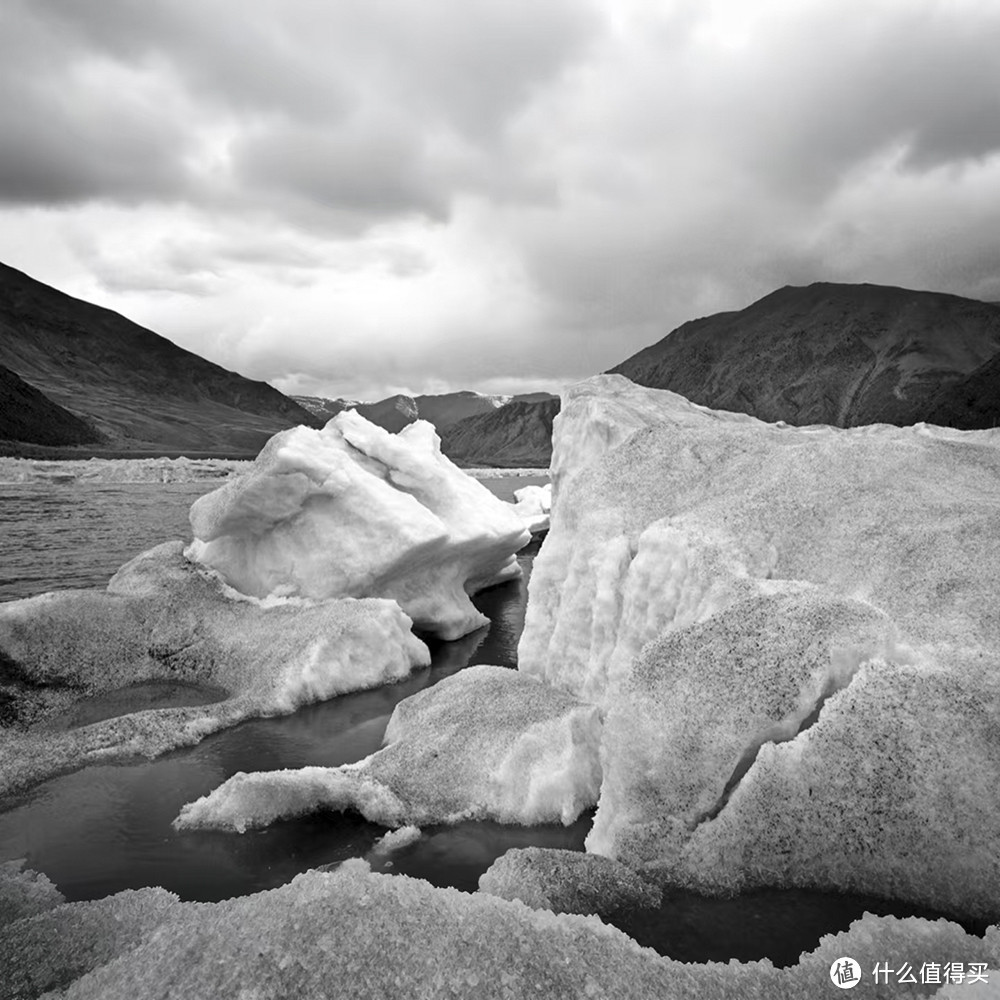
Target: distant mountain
pixel 30 416
pixel 518 434
pixel 139 390
pixel 324 408
pixel 395 412
pixel 837 354
pixel 450 407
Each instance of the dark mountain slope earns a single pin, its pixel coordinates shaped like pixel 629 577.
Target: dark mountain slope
pixel 139 389
pixel 971 402
pixel 29 415
pixel 834 354
pixel 518 434
pixel 448 408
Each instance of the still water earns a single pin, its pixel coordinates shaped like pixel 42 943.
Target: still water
pixel 103 829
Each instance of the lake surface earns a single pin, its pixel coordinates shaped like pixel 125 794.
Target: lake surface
pixel 103 829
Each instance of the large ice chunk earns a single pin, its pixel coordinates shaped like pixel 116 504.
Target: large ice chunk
pixel 486 743
pixel 162 618
pixel 354 933
pixel 713 581
pixel 354 511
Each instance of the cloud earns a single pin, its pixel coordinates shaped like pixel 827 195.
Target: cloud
pixel 383 193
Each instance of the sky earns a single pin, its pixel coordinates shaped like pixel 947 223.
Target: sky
pixel 363 197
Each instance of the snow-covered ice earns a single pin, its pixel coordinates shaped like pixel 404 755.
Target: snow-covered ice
pixel 713 582
pixel 163 618
pixel 532 505
pixel 354 511
pixel 486 743
pixel 355 933
pixel 567 882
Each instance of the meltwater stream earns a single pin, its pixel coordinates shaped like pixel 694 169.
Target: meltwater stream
pixel 103 829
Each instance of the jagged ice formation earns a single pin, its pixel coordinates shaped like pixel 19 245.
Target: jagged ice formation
pixel 354 511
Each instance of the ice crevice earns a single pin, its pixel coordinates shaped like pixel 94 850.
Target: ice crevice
pixel 783 731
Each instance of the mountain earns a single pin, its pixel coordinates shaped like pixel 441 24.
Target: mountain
pixel 475 429
pixel 139 390
pixel 518 434
pixel 395 412
pixel 837 354
pixel 450 407
pixel 971 402
pixel 30 416
pixel 325 409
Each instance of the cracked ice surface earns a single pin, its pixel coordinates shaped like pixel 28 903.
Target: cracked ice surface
pixel 354 511
pixel 713 582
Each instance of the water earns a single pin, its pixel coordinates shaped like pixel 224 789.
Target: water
pixel 54 536
pixel 103 829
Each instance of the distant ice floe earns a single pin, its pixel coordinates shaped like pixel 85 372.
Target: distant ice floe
pixel 118 470
pixel 533 505
pixel 501 473
pixel 162 470
pixel 793 636
pixel 354 511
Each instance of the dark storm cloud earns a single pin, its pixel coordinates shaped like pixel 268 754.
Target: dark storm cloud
pixel 829 89
pixel 370 172
pixel 72 131
pixel 371 109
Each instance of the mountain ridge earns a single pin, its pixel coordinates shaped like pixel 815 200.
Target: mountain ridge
pixel 138 389
pixel 830 353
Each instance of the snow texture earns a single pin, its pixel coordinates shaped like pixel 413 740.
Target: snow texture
pixel 567 882
pixel 24 893
pixel 533 504
pixel 486 743
pixel 355 933
pixel 354 511
pixel 793 633
pixel 163 618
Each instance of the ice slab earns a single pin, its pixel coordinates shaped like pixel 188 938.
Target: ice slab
pixel 486 743
pixel 708 576
pixel 567 882
pixel 354 511
pixel 533 505
pixel 162 617
pixel 355 933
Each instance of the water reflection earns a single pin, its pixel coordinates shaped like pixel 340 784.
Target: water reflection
pixel 103 829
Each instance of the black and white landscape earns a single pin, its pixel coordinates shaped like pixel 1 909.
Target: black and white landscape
pixel 499 500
